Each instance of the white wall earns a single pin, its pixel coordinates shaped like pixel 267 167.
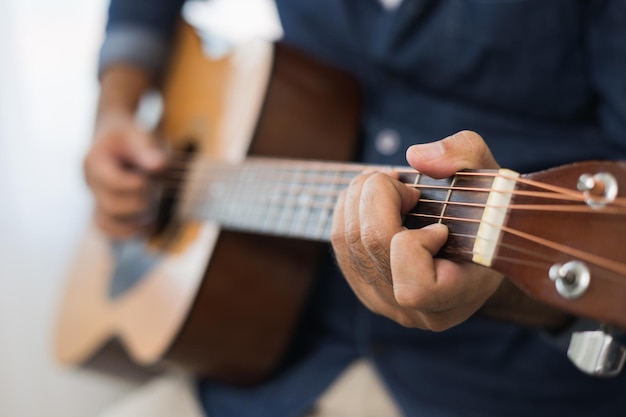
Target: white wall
pixel 47 94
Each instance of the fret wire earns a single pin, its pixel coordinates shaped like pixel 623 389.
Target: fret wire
pixel 256 214
pixel 443 209
pixel 274 203
pixel 233 215
pixel 323 219
pixel 418 178
pixel 304 206
pixel 293 191
pixel 313 213
pixel 240 190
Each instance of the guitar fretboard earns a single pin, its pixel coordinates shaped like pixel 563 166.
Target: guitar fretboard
pixel 297 198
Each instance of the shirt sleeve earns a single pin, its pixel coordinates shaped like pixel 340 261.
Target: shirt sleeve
pixel 139 32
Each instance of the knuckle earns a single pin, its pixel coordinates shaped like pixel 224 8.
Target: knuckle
pixel 406 320
pixel 336 238
pixel 133 184
pixel 365 271
pixel 468 140
pixel 413 298
pixel 469 135
pixel 371 186
pixel 359 180
pixel 352 236
pixel 371 238
pixel 122 206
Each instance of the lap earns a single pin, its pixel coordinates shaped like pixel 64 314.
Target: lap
pixel 357 392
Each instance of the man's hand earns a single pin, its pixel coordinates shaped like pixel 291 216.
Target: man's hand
pixel 123 156
pixel 118 168
pixel 392 269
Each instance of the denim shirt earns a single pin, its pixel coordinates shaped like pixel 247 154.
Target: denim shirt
pixel 543 81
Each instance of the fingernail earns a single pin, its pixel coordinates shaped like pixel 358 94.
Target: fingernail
pixel 437 227
pixel 428 151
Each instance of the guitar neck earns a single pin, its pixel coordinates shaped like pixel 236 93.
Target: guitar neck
pixel 270 196
pixel 297 199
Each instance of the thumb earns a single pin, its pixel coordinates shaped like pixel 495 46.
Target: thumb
pixel 463 150
pixel 144 152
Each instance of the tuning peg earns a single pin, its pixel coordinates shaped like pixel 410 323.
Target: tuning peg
pixel 597 353
pixel 599 189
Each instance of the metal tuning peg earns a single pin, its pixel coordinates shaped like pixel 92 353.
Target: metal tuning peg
pixel 597 352
pixel 599 190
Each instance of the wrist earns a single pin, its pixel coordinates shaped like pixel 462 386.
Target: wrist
pixel 511 304
pixel 121 89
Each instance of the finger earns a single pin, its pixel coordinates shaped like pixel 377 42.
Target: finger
pixel 145 152
pixel 359 259
pixel 415 288
pixel 382 203
pixel 463 150
pixel 123 206
pixel 440 284
pixel 352 264
pixel 107 174
pixel 342 254
pixel 117 228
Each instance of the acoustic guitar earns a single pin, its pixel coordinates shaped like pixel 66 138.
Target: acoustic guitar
pixel 246 206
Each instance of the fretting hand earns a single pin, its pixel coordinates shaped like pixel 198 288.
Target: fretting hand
pixel 391 269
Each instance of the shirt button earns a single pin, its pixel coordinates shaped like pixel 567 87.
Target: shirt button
pixel 387 142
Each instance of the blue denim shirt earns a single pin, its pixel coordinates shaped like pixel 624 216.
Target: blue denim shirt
pixel 543 81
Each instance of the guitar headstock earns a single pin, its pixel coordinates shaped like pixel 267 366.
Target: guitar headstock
pixel 564 239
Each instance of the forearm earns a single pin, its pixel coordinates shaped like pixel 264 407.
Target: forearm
pixel 121 88
pixel 135 49
pixel 511 304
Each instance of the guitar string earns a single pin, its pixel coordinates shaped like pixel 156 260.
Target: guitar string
pixel 309 205
pixel 541 255
pixel 286 199
pixel 306 187
pixel 600 261
pixel 539 194
pixel 615 266
pixel 594 259
pixel 272 162
pixel 562 193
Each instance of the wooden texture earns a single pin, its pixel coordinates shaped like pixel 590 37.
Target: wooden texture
pixel 255 286
pixel 225 304
pixel 229 318
pixel 594 232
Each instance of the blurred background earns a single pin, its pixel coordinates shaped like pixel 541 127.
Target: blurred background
pixel 48 88
pixel 48 92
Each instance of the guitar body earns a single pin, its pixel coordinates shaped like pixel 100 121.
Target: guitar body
pixel 220 304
